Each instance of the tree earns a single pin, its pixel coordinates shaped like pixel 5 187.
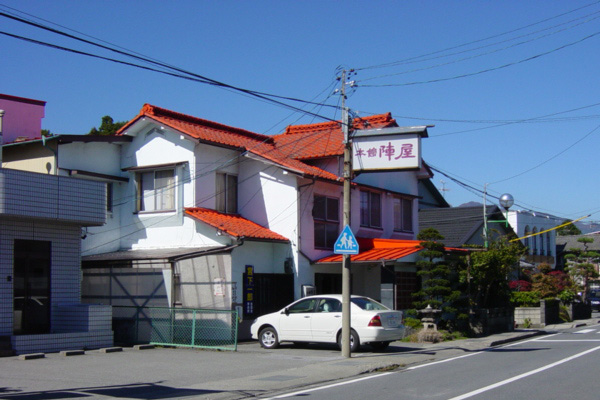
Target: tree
pixel 489 272
pixel 580 266
pixel 436 285
pixel 107 127
pixel 567 230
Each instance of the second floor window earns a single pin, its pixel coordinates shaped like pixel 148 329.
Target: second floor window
pixel 403 215
pixel 326 219
pixel 156 190
pixel 370 209
pixel 226 193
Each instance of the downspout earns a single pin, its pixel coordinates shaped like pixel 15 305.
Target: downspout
pixel 55 152
pixel 1 136
pixel 299 234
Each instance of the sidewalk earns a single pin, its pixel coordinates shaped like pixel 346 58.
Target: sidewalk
pixel 195 374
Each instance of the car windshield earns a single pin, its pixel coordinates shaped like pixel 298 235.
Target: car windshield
pixel 368 304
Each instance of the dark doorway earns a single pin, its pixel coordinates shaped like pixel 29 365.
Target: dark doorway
pixel 271 293
pixel 407 283
pixel 31 287
pixel 330 283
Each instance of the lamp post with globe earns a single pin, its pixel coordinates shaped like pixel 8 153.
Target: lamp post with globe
pixel 506 201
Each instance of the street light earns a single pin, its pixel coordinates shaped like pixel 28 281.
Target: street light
pixel 506 201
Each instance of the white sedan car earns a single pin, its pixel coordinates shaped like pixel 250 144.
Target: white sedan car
pixel 319 319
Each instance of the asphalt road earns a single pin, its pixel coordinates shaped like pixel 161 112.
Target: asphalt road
pixel 253 372
pixel 555 366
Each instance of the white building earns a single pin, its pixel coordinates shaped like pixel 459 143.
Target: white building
pixel 204 215
pixel 538 236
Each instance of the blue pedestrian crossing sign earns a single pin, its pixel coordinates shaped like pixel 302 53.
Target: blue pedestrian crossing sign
pixel 346 243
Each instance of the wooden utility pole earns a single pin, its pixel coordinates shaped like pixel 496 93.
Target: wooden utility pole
pixel 346 257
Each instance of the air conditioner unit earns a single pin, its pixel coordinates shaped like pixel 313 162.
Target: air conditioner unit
pixel 308 290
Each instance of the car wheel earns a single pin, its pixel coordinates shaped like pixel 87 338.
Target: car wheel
pixel 268 338
pixel 354 341
pixel 379 346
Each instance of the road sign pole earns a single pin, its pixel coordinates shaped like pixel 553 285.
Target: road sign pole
pixel 346 257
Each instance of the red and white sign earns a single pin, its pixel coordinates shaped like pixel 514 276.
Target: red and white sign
pixel 388 152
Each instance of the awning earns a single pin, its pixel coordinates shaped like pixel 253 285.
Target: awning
pixel 377 250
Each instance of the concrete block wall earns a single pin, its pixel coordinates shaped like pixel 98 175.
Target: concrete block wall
pixel 81 318
pixel 55 342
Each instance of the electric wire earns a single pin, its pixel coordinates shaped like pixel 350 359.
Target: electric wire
pixel 200 78
pixel 384 65
pixel 483 71
pixel 488 52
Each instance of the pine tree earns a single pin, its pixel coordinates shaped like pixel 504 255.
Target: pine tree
pixel 436 288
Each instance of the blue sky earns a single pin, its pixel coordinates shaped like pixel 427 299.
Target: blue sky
pixel 511 87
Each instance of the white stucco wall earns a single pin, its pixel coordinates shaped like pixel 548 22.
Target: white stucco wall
pixel 521 220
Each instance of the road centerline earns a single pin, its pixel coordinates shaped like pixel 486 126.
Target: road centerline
pixel 526 374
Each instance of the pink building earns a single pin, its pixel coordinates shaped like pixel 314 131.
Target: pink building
pixel 22 118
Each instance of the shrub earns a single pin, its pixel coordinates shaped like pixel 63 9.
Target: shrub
pixel 525 299
pixel 567 296
pixel 563 314
pixel 519 286
pixel 414 323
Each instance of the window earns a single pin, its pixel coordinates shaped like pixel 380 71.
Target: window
pixel 156 190
pixel 226 193
pixel 535 240
pixel 109 197
pixel 370 209
pixel 403 215
pixel 303 306
pixel 548 244
pixel 326 221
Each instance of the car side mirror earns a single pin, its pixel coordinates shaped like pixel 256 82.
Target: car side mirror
pixel 286 311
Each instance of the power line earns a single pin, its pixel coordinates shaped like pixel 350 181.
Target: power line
pixel 551 158
pixel 489 45
pixel 198 78
pixel 478 40
pixel 470 74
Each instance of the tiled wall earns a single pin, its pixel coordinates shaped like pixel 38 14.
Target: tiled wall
pixel 49 196
pixel 51 208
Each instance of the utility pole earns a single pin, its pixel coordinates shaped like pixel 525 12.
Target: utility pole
pixel 346 257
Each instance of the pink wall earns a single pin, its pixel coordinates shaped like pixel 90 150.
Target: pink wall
pixel 22 117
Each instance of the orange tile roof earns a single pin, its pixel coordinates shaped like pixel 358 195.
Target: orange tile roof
pixel 373 250
pixel 234 225
pixel 324 139
pixel 213 132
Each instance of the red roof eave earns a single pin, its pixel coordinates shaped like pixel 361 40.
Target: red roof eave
pixel 234 225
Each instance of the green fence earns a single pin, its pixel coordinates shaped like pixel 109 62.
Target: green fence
pixel 183 327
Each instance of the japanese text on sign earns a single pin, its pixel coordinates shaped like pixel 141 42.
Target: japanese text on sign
pixel 377 153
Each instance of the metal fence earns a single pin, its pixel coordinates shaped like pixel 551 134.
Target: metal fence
pixel 183 327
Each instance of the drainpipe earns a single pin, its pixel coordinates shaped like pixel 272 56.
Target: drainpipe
pixel 1 136
pixel 55 154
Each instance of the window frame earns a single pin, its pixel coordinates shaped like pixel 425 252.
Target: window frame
pixel 367 211
pixel 403 215
pixel 141 198
pixel 223 193
pixel 329 221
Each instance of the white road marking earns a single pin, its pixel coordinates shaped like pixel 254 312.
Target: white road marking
pixel 542 339
pixel 584 331
pixel 329 386
pixel 515 378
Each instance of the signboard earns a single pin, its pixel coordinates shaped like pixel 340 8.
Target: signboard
pixel 387 149
pixel 249 290
pixel 346 243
